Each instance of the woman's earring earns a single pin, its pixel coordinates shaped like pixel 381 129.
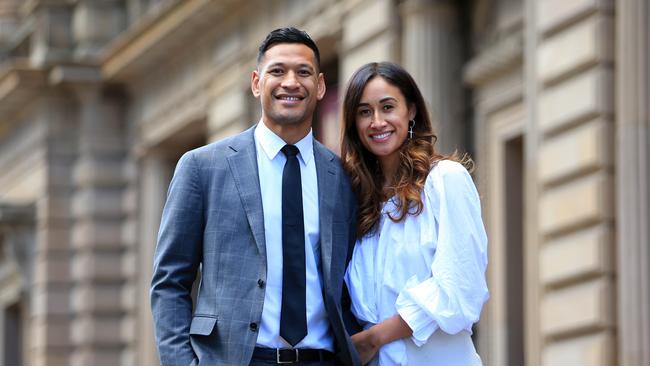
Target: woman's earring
pixel 411 125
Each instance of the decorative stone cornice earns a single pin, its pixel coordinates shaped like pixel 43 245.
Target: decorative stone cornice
pixel 30 6
pixel 415 6
pixel 19 83
pixel 495 60
pixel 12 214
pixel 151 39
pixel 75 74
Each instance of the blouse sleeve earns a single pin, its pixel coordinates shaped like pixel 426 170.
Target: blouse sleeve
pixel 452 297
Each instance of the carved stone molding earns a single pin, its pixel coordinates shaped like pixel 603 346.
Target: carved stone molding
pixel 495 60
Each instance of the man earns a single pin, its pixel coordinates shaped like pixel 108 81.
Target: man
pixel 270 226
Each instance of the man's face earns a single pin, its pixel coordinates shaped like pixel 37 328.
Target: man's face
pixel 288 84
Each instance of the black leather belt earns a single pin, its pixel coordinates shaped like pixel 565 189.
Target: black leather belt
pixel 291 355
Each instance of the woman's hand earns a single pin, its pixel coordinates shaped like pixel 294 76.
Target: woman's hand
pixel 366 344
pixel 369 341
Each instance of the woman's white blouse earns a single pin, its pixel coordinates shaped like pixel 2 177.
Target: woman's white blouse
pixel 429 268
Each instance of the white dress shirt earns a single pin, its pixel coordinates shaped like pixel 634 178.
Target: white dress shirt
pixel 270 163
pixel 430 269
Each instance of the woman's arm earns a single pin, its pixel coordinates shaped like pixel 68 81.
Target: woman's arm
pixel 369 341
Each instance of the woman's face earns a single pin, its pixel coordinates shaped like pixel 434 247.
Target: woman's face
pixel 382 120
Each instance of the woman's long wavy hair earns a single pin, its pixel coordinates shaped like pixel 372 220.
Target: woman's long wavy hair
pixel 417 154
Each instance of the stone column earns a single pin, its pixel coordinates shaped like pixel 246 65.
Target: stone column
pixel 633 180
pixel 50 314
pixel 432 53
pixel 52 40
pixel 155 173
pixel 102 273
pixel 134 10
pixel 369 34
pixel 533 290
pixel 8 20
pixel 95 23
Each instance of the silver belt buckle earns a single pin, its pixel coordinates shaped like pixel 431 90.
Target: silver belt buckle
pixel 277 356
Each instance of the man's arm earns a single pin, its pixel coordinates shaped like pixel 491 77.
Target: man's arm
pixel 177 259
pixel 351 324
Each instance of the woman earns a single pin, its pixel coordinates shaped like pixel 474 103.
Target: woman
pixel 417 273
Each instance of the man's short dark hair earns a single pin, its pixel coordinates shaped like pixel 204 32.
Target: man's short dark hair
pixel 287 35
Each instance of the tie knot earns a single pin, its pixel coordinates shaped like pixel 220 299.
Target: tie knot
pixel 290 150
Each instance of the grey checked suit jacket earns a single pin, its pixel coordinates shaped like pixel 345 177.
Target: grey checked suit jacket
pixel 213 220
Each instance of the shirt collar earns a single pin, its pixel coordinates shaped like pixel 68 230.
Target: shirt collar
pixel 272 144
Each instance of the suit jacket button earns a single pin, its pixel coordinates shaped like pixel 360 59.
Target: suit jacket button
pixel 253 326
pixel 260 283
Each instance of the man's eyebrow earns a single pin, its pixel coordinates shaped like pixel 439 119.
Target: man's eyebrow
pixel 274 64
pixel 283 64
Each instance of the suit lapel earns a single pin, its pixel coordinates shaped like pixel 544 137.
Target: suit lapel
pixel 243 165
pixel 327 176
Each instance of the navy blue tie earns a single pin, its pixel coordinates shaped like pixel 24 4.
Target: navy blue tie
pixel 293 316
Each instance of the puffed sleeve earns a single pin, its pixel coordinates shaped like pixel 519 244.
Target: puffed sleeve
pixel 452 297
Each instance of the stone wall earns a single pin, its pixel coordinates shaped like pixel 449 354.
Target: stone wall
pixel 101 98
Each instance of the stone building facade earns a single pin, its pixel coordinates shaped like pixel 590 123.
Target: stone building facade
pixel 99 98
